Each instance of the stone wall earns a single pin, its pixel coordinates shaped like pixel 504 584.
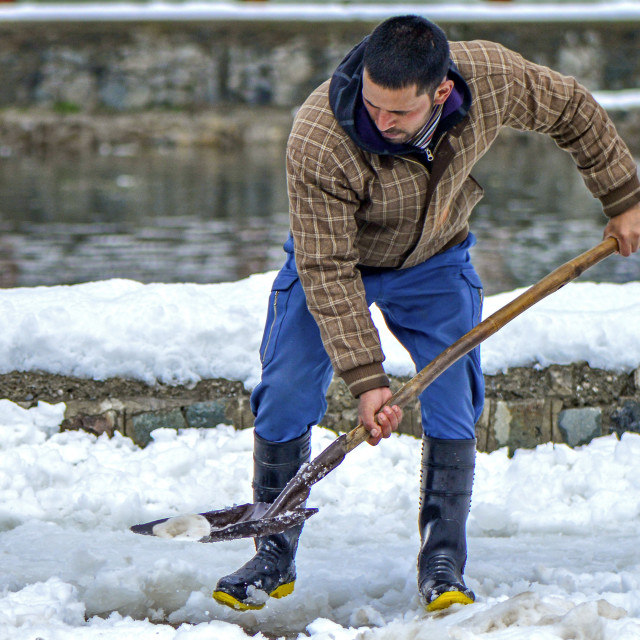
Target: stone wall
pixel 88 86
pixel 524 407
pixel 130 67
pixel 527 406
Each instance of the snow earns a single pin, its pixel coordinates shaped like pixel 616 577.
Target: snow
pixel 480 11
pixel 168 333
pixel 182 333
pixel 552 537
pixel 552 532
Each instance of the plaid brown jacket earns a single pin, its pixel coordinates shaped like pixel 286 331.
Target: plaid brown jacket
pixel 350 207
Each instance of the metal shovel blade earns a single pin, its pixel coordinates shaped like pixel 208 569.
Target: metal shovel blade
pixel 240 521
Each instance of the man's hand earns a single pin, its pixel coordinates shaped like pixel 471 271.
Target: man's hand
pixel 380 424
pixel 626 229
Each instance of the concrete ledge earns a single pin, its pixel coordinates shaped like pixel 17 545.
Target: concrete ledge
pixel 465 12
pixel 523 407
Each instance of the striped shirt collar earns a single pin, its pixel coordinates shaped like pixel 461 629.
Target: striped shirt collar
pixel 423 137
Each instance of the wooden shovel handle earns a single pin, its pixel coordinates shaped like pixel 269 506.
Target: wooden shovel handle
pixel 298 488
pixel 548 285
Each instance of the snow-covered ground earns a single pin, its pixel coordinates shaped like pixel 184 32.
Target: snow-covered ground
pixel 553 541
pixel 553 533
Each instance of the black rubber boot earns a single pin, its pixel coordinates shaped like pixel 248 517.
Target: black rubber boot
pixel 272 571
pixel 445 499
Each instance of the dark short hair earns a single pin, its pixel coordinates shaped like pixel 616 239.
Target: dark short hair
pixel 405 51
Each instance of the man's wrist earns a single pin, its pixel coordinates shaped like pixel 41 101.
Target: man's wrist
pixel 365 378
pixel 621 199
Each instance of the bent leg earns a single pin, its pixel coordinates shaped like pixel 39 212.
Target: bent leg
pixel 296 370
pixel 428 309
pixel 288 401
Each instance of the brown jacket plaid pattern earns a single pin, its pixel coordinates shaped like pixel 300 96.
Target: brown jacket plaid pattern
pixel 350 207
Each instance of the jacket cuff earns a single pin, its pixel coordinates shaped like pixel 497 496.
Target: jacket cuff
pixel 365 378
pixel 622 198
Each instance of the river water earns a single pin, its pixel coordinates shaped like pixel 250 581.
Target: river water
pixel 198 215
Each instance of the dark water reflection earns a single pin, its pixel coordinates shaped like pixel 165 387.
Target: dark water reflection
pixel 205 216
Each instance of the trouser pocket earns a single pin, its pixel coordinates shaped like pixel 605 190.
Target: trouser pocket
pixel 278 301
pixel 477 294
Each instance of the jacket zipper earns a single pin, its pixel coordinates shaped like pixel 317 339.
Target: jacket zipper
pixel 432 154
pixel 431 187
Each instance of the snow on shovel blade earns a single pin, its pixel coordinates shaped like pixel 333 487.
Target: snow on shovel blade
pixel 241 521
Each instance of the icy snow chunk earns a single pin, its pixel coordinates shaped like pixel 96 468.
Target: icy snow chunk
pixel 53 602
pixel 163 434
pixel 28 426
pixel 524 610
pixel 324 629
pixel 366 615
pixel 256 596
pixel 493 519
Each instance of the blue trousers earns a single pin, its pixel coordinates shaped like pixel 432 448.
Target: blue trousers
pixel 426 307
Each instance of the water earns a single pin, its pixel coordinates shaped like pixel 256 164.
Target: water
pixel 210 216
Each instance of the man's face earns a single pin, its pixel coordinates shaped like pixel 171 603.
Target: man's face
pixel 400 113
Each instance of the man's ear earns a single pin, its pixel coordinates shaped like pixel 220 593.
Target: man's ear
pixel 443 91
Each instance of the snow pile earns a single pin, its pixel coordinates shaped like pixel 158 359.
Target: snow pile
pixel 553 540
pixel 181 333
pixel 156 332
pixel 582 321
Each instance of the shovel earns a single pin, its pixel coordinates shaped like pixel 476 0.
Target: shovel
pixel 260 519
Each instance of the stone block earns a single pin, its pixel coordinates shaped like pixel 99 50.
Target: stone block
pixel 96 424
pixel 238 412
pixel 520 424
pixel 205 414
pixel 636 378
pixel 556 407
pixel 580 426
pixel 482 427
pixel 411 424
pixel 411 420
pixel 94 416
pixel 627 417
pixel 140 426
pixel 501 425
pixel 560 380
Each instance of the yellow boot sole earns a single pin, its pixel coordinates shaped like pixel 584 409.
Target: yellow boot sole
pixel 446 599
pixel 229 601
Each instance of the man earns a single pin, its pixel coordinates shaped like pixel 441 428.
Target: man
pixel 379 162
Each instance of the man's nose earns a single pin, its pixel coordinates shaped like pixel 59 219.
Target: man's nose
pixel 385 120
